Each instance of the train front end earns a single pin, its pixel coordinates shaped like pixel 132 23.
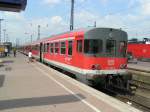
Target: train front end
pixel 105 57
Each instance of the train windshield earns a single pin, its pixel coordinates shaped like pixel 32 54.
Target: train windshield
pixel 92 46
pixel 122 48
pixel 111 47
pixel 108 48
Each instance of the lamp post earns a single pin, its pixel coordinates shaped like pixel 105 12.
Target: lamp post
pixel 39 30
pixel 39 27
pixel 0 29
pixel 4 35
pixel 72 16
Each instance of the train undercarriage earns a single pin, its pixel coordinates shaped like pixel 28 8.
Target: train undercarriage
pixel 114 82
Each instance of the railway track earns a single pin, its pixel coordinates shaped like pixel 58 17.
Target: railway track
pixel 137 101
pixel 141 98
pixel 142 85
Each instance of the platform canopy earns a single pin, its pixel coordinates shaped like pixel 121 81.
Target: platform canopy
pixel 13 5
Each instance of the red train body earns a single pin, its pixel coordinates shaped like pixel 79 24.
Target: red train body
pixel 139 50
pixel 93 55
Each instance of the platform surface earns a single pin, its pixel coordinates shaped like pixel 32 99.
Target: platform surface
pixel 34 87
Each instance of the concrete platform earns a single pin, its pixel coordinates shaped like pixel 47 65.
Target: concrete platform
pixel 34 87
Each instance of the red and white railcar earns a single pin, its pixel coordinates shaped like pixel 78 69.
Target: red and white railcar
pixel 93 55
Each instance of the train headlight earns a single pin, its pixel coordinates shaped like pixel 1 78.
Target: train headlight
pixel 123 66
pixel 96 67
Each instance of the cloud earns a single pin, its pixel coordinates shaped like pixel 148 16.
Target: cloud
pixel 14 16
pixel 56 20
pixel 145 7
pixel 49 26
pixel 131 22
pixel 104 2
pixel 132 3
pixel 56 2
pixel 85 19
pixel 17 25
pixel 52 2
pixel 81 0
pixel 14 24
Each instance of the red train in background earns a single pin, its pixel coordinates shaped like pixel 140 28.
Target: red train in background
pixel 139 49
pixel 94 56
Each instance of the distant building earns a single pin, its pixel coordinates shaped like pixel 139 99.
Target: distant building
pixel 8 45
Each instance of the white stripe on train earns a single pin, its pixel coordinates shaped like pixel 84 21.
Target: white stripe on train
pixel 84 71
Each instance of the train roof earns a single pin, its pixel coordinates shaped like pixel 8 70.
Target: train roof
pixel 82 30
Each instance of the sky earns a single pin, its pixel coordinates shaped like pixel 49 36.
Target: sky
pixel 132 16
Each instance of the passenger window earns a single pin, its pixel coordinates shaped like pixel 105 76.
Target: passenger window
pixel 111 47
pixel 56 47
pixel 37 47
pixel 79 46
pixel 122 48
pixel 51 48
pixel 47 47
pixel 70 48
pixel 44 49
pixel 63 48
pixel 34 47
pixel 100 46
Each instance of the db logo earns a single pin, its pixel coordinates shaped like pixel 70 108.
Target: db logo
pixel 111 62
pixel 144 50
pixel 67 59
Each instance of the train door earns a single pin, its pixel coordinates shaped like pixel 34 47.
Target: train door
pixel 78 58
pixel 41 49
pixel 68 58
pixel 79 52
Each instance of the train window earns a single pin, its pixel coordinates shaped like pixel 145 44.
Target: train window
pixel 47 47
pixel 91 46
pixel 111 47
pixel 33 47
pixel 79 45
pixel 100 46
pixel 70 48
pixel 51 48
pixel 56 47
pixel 44 49
pixel 63 48
pixel 37 47
pixel 122 48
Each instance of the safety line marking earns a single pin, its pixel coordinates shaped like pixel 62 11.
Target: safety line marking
pixel 113 102
pixel 82 100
